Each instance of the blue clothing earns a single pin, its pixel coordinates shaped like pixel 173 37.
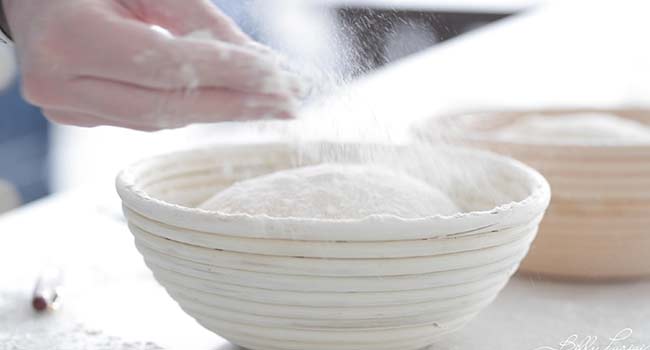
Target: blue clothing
pixel 24 143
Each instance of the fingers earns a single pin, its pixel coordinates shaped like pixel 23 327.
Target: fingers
pixel 131 52
pixel 147 108
pixel 101 64
pixel 195 19
pixel 185 17
pixel 85 120
pixel 72 118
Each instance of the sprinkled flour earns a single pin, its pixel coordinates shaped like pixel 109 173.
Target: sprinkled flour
pixel 583 127
pixel 201 34
pixel 333 191
pixel 22 329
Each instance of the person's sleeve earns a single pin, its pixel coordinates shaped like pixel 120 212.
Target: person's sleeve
pixel 4 25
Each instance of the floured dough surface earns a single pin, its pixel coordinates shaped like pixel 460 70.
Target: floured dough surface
pixel 333 191
pixel 583 127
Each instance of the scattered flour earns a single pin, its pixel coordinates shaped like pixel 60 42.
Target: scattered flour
pixel 201 34
pixel 190 76
pixel 333 191
pixel 583 127
pixel 23 329
pixel 277 78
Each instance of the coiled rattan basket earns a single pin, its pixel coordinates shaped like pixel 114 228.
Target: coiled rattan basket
pixel 379 282
pixel 598 224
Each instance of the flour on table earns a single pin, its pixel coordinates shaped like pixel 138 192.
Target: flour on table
pixel 23 329
pixel 583 127
pixel 333 191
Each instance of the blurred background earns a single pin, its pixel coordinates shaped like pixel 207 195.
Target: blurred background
pixel 406 59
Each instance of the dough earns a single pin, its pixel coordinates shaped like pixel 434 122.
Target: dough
pixel 583 127
pixel 333 191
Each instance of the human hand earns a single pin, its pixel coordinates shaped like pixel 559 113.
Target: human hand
pixel 100 62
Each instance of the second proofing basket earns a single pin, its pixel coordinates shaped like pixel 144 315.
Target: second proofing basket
pixel 598 223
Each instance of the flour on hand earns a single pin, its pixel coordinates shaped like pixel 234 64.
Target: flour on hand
pixel 333 191
pixel 582 127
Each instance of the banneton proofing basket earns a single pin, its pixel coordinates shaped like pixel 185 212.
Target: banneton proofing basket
pixel 597 226
pixel 380 282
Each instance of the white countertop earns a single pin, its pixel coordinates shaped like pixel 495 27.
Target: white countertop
pixel 112 301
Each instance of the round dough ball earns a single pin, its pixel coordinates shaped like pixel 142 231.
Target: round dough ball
pixel 332 191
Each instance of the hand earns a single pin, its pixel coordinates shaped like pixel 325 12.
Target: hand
pixel 101 62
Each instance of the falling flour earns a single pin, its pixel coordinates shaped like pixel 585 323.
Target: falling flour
pixel 583 127
pixel 333 191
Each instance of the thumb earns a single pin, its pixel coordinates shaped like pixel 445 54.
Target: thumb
pixel 188 16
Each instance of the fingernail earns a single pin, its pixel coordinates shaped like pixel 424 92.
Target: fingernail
pixel 161 30
pixel 253 45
